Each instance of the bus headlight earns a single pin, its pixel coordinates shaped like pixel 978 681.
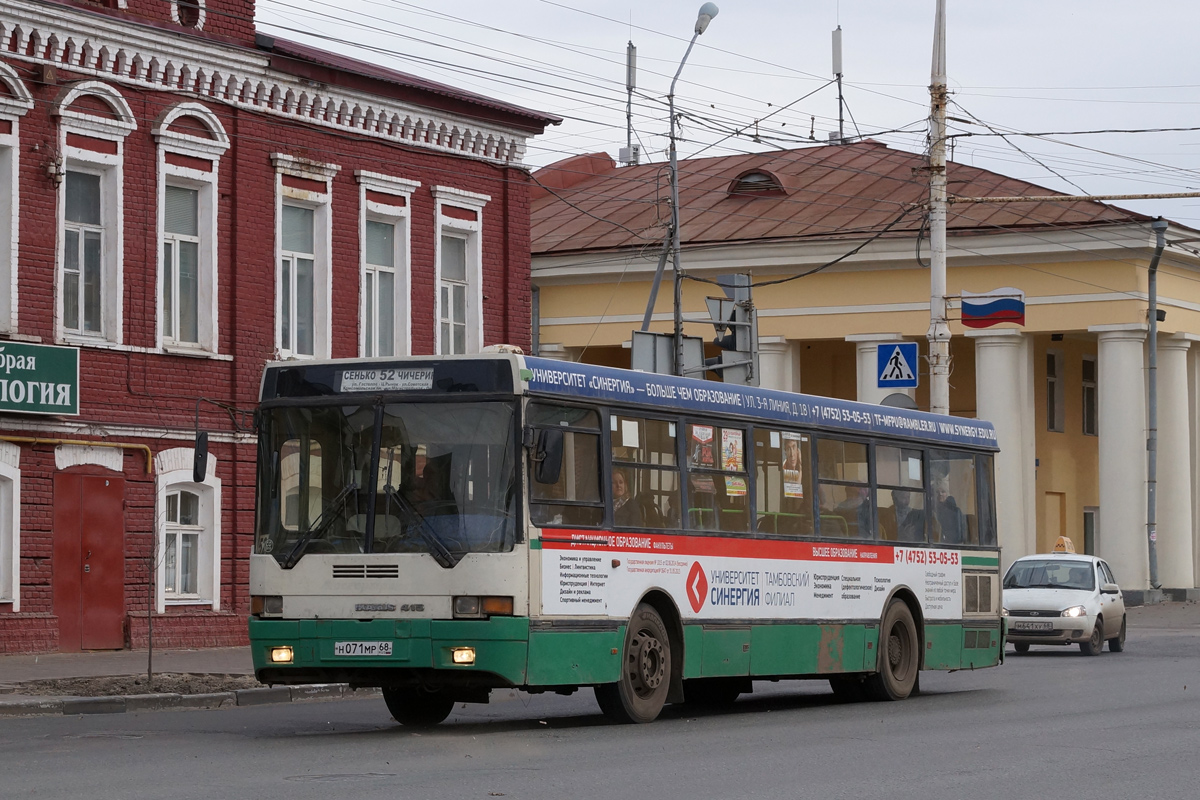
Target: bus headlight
pixel 266 605
pixel 280 655
pixel 463 656
pixel 470 606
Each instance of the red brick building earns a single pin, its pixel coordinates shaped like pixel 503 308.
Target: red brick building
pixel 182 200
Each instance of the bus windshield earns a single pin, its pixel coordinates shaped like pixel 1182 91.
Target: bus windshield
pixel 436 478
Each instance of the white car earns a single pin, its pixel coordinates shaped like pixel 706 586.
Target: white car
pixel 1064 598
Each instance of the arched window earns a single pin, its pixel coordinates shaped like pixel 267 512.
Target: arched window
pixel 188 522
pixel 756 182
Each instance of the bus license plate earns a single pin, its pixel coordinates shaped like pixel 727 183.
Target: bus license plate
pixel 362 648
pixel 1033 626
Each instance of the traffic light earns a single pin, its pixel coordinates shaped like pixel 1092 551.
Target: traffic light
pixel 736 323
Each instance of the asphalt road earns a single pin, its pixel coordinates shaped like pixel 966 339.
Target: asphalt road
pixel 1050 724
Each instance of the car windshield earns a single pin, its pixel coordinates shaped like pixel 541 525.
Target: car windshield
pixel 1050 573
pixel 406 477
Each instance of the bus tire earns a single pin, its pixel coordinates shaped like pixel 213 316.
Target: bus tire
pixel 640 693
pixel 899 659
pixel 417 708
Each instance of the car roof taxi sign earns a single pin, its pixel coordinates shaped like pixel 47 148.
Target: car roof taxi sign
pixel 1064 545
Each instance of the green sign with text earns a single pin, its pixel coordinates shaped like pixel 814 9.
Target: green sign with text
pixel 39 379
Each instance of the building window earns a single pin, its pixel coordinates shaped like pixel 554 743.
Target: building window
pixel 384 201
pixel 459 276
pixel 304 283
pixel 1054 391
pixel 379 289
pixel 181 265
pixel 181 550
pixel 15 102
pixel 189 13
pixel 10 525
pixel 191 141
pixel 296 265
pixel 452 297
pixel 95 119
pixel 83 254
pixel 1089 396
pixel 189 532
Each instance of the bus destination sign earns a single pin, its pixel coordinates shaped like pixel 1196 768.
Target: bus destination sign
pixel 387 379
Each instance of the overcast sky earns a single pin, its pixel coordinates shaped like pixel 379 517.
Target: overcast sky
pixel 1017 65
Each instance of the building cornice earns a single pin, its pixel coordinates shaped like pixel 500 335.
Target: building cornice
pixel 99 46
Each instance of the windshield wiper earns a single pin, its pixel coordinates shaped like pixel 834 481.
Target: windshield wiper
pixel 320 525
pixel 437 548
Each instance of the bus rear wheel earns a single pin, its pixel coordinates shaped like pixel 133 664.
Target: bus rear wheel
pixel 417 708
pixel 899 657
pixel 640 693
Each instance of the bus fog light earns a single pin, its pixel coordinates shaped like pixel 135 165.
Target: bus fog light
pixel 466 606
pixel 463 655
pixel 281 655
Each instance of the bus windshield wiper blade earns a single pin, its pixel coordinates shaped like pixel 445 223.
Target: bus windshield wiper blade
pixel 437 548
pixel 319 525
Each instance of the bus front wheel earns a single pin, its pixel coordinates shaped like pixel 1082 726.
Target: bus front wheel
pixel 417 708
pixel 898 655
pixel 641 691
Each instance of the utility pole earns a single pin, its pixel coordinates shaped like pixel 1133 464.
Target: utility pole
pixel 939 329
pixel 1159 226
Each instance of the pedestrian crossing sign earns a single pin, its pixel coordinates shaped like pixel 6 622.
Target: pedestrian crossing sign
pixel 897 365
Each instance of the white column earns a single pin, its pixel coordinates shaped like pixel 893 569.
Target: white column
pixel 1174 466
pixel 1001 366
pixel 1121 390
pixel 555 352
pixel 1194 419
pixel 868 366
pixel 775 364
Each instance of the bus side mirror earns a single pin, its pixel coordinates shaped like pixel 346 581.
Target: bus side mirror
pixel 200 459
pixel 547 455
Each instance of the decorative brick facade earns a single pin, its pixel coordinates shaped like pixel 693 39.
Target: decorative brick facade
pixel 136 391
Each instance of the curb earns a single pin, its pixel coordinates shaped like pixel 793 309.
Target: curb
pixel 17 706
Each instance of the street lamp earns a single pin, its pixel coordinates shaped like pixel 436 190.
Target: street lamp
pixel 707 12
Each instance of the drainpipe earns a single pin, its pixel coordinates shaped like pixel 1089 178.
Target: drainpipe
pixel 1159 226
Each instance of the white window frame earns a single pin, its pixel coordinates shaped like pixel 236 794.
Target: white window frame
pixel 400 216
pixel 13 106
pixel 472 231
pixel 174 473
pixel 10 525
pixel 110 167
pixel 206 183
pixel 321 203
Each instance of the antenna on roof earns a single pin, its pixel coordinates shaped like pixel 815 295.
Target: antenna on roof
pixel 837 72
pixel 629 155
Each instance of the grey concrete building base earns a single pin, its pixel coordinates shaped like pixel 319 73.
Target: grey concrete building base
pixel 1143 597
pixel 1183 595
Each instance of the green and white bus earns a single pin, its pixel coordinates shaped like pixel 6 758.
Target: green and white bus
pixel 444 526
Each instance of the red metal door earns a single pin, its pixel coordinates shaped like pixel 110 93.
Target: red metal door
pixel 89 561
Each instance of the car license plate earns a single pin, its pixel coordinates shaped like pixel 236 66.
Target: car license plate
pixel 1033 626
pixel 362 648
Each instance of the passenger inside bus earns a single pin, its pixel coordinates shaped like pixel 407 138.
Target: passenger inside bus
pixel 625 509
pixel 950 523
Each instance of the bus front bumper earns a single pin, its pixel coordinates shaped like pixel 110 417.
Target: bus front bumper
pixel 392 652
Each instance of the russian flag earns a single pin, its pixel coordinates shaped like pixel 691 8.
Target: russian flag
pixel 991 308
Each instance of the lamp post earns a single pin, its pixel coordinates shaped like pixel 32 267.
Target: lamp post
pixel 707 12
pixel 939 329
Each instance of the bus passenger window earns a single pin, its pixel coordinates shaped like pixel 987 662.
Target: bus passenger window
pixel 900 496
pixel 843 490
pixel 987 501
pixel 646 471
pixel 783 482
pixel 575 499
pixel 952 477
pixel 717 479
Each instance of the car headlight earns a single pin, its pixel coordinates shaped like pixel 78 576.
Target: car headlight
pixel 1075 611
pixel 1004 612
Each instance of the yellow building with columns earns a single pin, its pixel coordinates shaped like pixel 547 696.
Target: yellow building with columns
pixel 835 240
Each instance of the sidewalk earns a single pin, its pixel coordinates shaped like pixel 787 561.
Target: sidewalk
pixel 19 698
